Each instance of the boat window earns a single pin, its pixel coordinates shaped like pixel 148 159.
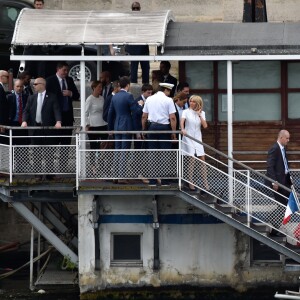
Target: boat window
pixel 126 248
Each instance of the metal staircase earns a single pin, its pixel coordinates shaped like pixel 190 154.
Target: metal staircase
pixel 237 194
pixel 239 197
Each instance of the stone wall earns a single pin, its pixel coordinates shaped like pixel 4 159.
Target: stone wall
pixel 189 10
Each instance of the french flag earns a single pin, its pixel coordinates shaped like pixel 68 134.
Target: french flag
pixel 291 208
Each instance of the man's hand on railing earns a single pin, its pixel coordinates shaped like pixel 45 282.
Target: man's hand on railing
pixel 173 137
pixel 57 124
pixel 275 185
pixel 183 131
pixel 24 124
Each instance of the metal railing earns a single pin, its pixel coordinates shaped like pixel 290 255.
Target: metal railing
pixel 241 187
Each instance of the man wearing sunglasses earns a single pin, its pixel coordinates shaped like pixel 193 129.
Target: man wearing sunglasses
pixel 138 50
pixel 42 110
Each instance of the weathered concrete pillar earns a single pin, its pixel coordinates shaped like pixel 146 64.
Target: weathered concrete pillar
pixel 86 242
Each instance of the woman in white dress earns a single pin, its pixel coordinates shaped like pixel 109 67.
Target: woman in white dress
pixel 191 122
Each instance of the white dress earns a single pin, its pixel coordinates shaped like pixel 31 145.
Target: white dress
pixel 193 128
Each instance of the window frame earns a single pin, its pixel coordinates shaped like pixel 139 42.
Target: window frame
pixel 126 262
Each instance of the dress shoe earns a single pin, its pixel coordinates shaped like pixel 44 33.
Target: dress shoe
pixel 276 233
pixel 144 180
pixel 123 181
pixel 192 188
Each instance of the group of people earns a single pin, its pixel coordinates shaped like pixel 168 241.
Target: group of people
pixel 112 107
pixel 49 105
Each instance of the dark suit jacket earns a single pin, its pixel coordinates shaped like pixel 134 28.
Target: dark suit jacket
pixel 119 114
pixel 51 112
pixel 275 167
pixel 53 86
pixel 137 114
pixel 108 93
pixel 3 107
pixel 177 117
pixel 12 105
pixel 28 90
pixel 173 80
pixel 106 106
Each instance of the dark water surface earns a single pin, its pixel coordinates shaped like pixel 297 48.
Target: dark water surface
pixel 18 289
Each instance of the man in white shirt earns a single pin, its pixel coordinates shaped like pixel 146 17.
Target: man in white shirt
pixel 159 114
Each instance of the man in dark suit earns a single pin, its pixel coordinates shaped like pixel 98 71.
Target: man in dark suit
pixel 66 92
pixel 105 78
pixel 16 104
pixel 3 105
pixel 138 112
pixel 119 119
pixel 26 77
pixel 42 109
pixel 278 171
pixel 138 50
pixel 107 101
pixel 165 67
pixel 185 88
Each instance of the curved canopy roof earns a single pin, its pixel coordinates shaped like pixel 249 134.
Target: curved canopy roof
pixel 59 27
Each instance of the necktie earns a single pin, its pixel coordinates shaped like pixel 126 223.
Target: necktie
pixel 105 92
pixel 285 161
pixel 65 98
pixel 20 112
pixel 38 117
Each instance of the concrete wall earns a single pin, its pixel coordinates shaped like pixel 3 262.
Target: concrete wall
pixel 201 253
pixel 190 10
pixel 13 227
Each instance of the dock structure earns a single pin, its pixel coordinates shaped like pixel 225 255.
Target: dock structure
pixel 134 235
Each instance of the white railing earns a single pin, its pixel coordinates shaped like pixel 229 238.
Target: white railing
pixel 248 195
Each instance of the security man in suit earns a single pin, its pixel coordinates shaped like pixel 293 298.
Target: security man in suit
pixel 42 109
pixel 165 67
pixel 278 171
pixel 66 92
pixel 16 103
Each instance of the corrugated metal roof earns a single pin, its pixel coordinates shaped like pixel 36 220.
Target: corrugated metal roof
pixel 59 27
pixel 232 38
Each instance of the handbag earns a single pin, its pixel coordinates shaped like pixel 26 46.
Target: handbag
pixel 106 145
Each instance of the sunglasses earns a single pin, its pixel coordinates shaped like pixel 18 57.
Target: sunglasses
pixel 136 8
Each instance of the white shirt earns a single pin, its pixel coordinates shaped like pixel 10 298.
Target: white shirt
pixel 159 107
pixel 286 167
pixel 94 111
pixel 61 82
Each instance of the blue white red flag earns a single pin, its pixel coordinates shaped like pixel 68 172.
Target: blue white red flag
pixel 291 208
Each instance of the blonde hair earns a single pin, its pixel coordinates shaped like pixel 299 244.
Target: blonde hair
pixel 198 100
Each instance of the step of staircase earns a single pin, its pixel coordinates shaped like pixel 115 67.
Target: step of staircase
pixel 225 208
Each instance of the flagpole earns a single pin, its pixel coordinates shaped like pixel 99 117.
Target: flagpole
pixel 294 192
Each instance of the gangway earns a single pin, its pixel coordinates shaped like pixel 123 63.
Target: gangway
pixel 241 200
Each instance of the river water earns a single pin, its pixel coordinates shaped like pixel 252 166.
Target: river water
pixel 18 289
